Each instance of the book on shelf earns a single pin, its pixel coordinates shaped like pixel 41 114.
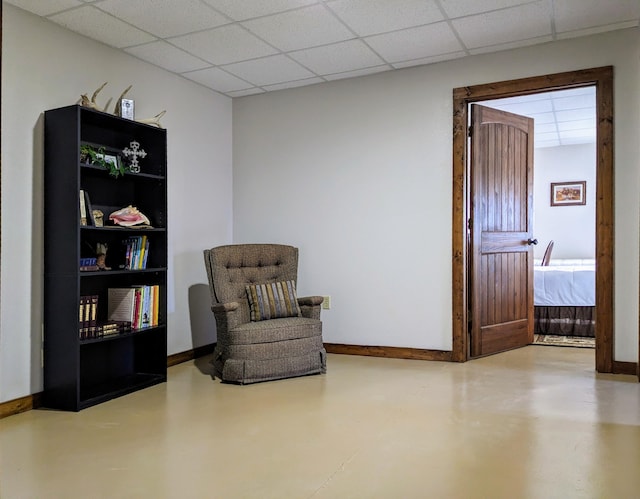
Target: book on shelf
pixel 88 264
pixel 83 208
pixel 136 252
pixel 138 305
pixel 89 209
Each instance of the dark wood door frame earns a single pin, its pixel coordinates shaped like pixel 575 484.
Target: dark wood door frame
pixel 602 79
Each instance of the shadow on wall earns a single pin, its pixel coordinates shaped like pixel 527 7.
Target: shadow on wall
pixel 203 324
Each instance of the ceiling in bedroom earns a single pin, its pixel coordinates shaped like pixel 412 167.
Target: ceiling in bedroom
pixel 245 47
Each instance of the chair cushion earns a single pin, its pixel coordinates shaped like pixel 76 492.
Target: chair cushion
pixel 274 330
pixel 274 300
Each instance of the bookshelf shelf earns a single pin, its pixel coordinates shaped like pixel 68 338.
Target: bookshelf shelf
pixel 82 368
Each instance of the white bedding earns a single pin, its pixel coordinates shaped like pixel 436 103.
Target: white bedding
pixel 564 285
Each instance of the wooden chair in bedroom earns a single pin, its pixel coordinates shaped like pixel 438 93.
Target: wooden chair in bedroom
pixel 547 254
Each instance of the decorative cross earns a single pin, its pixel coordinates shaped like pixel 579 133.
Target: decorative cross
pixel 133 152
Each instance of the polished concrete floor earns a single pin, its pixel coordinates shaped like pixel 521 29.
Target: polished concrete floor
pixel 532 423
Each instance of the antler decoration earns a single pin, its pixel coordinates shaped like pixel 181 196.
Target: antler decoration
pixel 155 121
pixel 84 100
pixel 116 110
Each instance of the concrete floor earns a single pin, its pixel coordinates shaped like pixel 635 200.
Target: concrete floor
pixel 531 423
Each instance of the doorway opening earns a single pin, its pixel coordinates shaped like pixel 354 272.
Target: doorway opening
pixel 564 168
pixel 602 80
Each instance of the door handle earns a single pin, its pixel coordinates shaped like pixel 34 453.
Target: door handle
pixel 532 241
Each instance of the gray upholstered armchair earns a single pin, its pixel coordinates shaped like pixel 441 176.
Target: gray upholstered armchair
pixel 264 331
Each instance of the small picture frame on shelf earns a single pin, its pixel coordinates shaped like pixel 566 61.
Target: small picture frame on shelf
pixel 111 159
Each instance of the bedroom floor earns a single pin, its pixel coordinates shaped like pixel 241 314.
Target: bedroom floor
pixel 530 423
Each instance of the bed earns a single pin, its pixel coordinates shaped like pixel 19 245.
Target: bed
pixel 564 298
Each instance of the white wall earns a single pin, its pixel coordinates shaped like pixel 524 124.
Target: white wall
pixel 357 173
pixel 572 228
pixel 44 67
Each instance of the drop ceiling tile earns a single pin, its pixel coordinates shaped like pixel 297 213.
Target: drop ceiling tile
pixel 299 29
pixel 294 84
pixel 528 108
pixel 429 60
pixel 459 8
pixel 566 126
pixel 576 114
pixel 544 128
pixel 217 79
pixel 167 56
pixel 359 72
pixel 165 18
pixel 504 26
pixel 574 91
pixel 588 134
pixel 564 35
pixel 243 93
pixel 224 45
pixel 511 45
pixel 93 23
pixel 369 17
pixel 544 118
pixel 415 43
pixel 269 70
pixel 246 9
pixel 41 8
pixel 574 102
pixel 594 13
pixel 338 58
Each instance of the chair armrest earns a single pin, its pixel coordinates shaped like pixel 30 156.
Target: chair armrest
pixel 228 316
pixel 224 307
pixel 310 300
pixel 310 306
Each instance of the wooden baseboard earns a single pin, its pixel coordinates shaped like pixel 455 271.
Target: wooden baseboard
pixel 24 404
pixel 624 368
pixel 179 358
pixel 389 352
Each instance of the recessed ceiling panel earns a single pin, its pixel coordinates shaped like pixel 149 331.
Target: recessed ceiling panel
pixel 224 45
pixel 165 18
pixel 415 43
pixel 167 56
pixel 217 79
pixel 369 17
pixel 568 16
pixel 43 8
pixel 504 26
pixel 239 10
pixel 300 29
pixel 269 70
pixel 338 58
pixel 94 23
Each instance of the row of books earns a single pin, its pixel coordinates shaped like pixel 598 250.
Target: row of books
pixel 137 251
pixel 87 264
pixel 139 305
pixel 88 325
pixel 86 209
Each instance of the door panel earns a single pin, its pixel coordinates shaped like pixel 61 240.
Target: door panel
pixel 501 266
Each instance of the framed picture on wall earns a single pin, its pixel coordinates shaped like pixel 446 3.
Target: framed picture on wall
pixel 568 193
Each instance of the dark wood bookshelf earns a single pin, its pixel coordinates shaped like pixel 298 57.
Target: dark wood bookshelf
pixel 79 373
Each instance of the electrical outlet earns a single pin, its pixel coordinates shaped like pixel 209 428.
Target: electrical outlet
pixel 326 303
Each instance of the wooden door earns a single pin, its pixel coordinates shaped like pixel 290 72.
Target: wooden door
pixel 501 254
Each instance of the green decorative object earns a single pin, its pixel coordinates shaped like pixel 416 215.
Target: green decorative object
pixel 99 157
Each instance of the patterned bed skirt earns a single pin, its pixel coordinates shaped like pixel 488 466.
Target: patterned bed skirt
pixel 565 321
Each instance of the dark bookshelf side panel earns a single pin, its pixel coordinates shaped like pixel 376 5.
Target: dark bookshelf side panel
pixel 61 360
pixel 61 200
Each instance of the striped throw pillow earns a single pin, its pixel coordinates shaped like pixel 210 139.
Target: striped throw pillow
pixel 273 300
